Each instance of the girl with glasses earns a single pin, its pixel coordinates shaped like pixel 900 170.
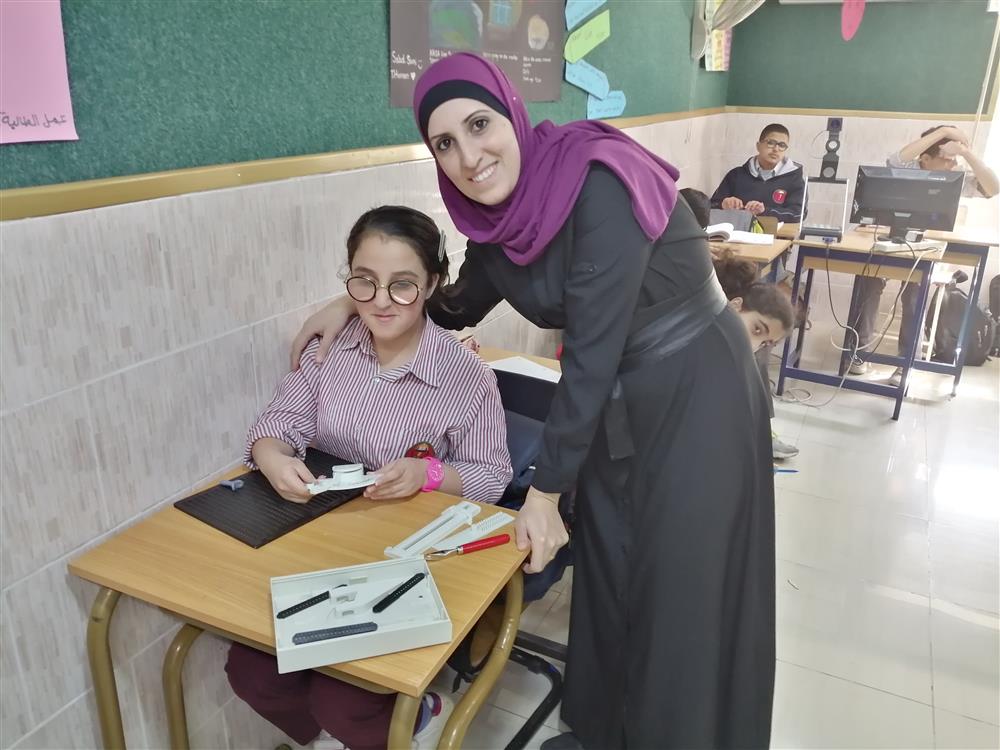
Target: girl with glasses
pixel 769 183
pixel 393 379
pixel 396 380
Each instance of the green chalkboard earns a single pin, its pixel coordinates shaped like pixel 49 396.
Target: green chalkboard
pixel 926 56
pixel 167 84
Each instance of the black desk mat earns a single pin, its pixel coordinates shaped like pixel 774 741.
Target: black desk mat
pixel 256 514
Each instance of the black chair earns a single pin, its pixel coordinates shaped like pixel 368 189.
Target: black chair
pixel 526 402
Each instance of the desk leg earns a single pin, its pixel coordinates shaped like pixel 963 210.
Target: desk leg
pixel 102 670
pixel 914 343
pixel 780 388
pixel 173 685
pixel 851 340
pixel 806 301
pixel 467 708
pixel 772 274
pixel 977 283
pixel 404 717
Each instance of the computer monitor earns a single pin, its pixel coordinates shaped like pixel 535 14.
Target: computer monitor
pixel 903 199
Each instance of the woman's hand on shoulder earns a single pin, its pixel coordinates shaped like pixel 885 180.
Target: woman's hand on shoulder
pixel 327 324
pixel 540 527
pixel 404 477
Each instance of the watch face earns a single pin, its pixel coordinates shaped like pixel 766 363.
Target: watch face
pixel 420 450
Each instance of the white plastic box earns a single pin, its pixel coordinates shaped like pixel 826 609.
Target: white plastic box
pixel 416 619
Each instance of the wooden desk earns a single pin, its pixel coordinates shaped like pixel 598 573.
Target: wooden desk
pixel 855 254
pixel 217 583
pixel 788 231
pixel 763 254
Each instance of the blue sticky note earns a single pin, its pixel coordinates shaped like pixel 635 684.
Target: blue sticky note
pixel 610 106
pixel 577 10
pixel 588 78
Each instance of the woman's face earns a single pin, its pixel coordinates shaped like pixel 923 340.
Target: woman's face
pixel 385 261
pixel 476 148
pixel 763 330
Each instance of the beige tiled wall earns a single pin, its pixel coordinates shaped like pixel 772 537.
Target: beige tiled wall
pixel 138 341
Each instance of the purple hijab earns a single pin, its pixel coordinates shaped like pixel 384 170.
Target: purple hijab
pixel 555 160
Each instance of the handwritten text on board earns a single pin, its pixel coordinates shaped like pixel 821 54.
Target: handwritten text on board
pixel 588 36
pixel 610 106
pixel 34 86
pixel 588 78
pixel 577 10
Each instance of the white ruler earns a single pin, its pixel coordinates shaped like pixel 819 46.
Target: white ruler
pixel 427 538
pixel 477 531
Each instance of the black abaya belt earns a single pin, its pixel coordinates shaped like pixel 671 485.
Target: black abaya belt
pixel 664 335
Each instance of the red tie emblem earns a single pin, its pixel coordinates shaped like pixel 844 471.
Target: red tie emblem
pixel 778 196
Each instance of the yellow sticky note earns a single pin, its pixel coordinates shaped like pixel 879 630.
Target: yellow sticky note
pixel 588 36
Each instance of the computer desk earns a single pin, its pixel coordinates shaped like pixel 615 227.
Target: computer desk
pixel 216 583
pixel 853 254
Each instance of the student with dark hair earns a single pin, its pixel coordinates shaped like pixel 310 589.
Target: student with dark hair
pixel 699 205
pixel 768 316
pixel 763 308
pixel 392 379
pixel 768 184
pixel 937 149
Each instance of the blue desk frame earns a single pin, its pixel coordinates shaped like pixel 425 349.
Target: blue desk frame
pixel 790 360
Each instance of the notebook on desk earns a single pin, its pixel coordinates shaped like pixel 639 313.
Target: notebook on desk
pixel 255 514
pixel 739 219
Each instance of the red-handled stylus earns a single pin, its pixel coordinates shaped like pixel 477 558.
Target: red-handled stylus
pixel 464 549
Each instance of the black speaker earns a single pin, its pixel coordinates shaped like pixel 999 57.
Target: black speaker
pixel 828 167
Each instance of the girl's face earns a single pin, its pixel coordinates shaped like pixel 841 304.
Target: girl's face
pixel 763 330
pixel 476 148
pixel 389 286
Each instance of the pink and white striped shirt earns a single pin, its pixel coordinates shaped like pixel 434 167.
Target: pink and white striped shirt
pixel 446 396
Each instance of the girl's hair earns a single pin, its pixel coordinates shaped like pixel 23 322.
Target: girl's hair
pixel 414 228
pixel 738 277
pixel 699 204
pixel 735 274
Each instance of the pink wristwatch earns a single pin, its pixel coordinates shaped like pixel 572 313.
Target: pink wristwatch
pixel 435 474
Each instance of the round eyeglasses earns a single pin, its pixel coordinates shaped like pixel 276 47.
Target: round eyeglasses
pixel 780 145
pixel 401 291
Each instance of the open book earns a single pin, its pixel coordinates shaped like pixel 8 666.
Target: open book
pixel 726 233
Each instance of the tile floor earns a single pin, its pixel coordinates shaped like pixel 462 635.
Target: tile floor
pixel 887 573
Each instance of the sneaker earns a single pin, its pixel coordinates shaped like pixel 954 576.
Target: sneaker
pixel 896 379
pixel 326 741
pixel 858 367
pixel 441 707
pixel 781 450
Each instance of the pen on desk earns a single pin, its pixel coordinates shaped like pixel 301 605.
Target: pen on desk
pixel 464 549
pixel 785 471
pixel 296 608
pixel 389 599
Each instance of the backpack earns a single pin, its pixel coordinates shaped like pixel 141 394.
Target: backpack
pixel 995 313
pixel 982 330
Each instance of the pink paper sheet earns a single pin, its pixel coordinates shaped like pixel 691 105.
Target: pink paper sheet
pixel 34 84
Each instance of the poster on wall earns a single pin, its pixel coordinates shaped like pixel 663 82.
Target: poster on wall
pixel 719 42
pixel 34 83
pixel 524 37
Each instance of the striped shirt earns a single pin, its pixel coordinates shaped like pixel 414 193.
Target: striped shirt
pixel 446 396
